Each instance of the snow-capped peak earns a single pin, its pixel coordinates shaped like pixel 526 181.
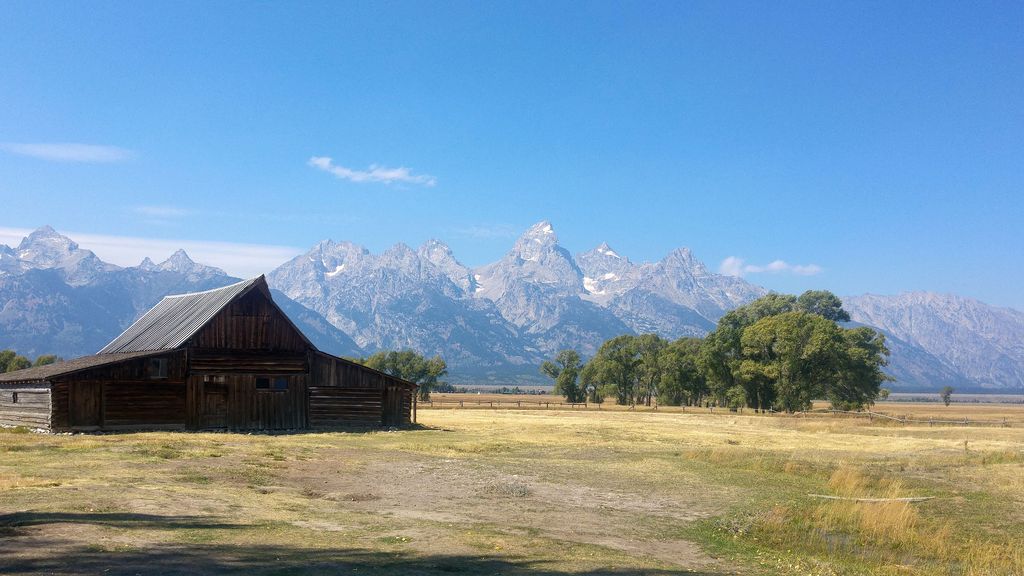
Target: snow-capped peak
pixel 542 231
pixel 178 262
pixel 606 250
pixel 181 263
pixel 46 247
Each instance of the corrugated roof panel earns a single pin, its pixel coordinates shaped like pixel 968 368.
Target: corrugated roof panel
pixel 175 319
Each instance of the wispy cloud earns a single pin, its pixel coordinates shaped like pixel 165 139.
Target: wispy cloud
pixel 374 173
pixel 484 232
pixel 159 215
pixel 733 266
pixel 237 259
pixel 163 212
pixel 68 151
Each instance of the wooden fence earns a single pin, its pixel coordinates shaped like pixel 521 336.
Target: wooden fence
pixel 549 405
pixel 929 421
pixel 503 404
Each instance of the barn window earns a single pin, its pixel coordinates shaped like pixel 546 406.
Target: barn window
pixel 157 368
pixel 277 384
pixel 14 397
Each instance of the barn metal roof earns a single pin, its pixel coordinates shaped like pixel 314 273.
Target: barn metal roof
pixel 175 319
pixel 39 373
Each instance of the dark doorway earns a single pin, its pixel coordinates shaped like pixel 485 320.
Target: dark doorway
pixel 86 405
pixel 214 408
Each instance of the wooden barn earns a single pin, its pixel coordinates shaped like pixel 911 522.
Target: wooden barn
pixel 224 359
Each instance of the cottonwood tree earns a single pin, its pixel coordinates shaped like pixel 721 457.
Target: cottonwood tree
pixel 859 379
pixel 46 359
pixel 590 383
pixel 682 380
pixel 649 352
pixel 409 365
pixel 722 354
pixel 796 353
pixel 11 361
pixel 565 371
pixel 824 304
pixel 616 366
pixel 946 394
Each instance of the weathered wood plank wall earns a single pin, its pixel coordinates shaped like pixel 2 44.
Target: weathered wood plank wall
pixel 251 323
pixel 25 405
pixel 86 400
pixel 232 402
pixel 344 393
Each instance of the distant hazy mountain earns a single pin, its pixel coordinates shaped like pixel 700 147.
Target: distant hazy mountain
pixel 56 297
pixel 495 323
pixel 977 344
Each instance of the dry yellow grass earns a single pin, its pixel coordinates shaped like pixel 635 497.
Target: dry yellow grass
pixel 993 413
pixel 525 491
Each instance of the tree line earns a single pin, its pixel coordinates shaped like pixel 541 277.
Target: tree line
pixel 416 368
pixel 779 352
pixel 11 361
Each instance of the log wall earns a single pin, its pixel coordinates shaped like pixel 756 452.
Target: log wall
pixel 334 407
pixel 124 395
pixel 150 405
pixel 25 405
pixel 344 393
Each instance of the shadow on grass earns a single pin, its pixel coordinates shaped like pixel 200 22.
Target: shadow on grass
pixel 273 559
pixel 22 552
pixel 112 519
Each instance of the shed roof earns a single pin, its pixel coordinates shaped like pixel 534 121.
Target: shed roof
pixel 177 318
pixel 39 373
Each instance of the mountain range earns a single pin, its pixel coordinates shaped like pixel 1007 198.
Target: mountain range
pixel 494 323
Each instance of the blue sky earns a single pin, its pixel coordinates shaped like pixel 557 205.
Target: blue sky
pixel 873 147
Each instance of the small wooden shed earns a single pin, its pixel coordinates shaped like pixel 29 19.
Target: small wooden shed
pixel 226 359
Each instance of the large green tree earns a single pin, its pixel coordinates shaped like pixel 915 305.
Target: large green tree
pixel 616 367
pixel 824 304
pixel 859 379
pixel 649 352
pixel 409 365
pixel 565 371
pixel 722 354
pixel 794 354
pixel 682 380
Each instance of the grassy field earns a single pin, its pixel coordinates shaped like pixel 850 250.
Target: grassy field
pixel 522 492
pixel 985 412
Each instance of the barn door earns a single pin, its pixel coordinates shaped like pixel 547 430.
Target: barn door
pixel 391 406
pixel 86 407
pixel 214 403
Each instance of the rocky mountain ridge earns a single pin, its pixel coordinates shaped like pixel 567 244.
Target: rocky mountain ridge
pixel 493 323
pixel 56 297
pixel 510 314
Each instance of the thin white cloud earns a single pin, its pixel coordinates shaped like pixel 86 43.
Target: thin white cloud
pixel 68 151
pixel 242 260
pixel 375 173
pixel 733 266
pixel 160 211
